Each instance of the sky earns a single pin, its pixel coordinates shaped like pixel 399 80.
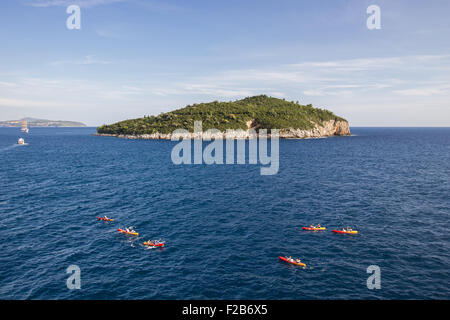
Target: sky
pixel 132 58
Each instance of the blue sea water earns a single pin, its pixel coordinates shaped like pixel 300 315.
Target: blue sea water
pixel 225 225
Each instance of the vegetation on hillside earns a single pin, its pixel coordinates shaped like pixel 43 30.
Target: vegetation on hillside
pixel 264 112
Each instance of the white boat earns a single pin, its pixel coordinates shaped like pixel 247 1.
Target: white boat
pixel 24 126
pixel 21 141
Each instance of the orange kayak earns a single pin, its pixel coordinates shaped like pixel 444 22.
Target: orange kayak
pixel 292 262
pixel 151 244
pixel 127 232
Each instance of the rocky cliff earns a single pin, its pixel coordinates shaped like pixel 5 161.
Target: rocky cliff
pixel 327 129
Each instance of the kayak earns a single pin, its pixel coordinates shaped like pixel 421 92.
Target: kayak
pixel 125 231
pixel 104 219
pixel 314 228
pixel 151 244
pixel 345 232
pixel 292 262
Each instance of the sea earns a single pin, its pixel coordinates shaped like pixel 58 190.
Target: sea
pixel 225 226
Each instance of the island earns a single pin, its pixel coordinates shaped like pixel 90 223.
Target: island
pixel 241 117
pixel 34 122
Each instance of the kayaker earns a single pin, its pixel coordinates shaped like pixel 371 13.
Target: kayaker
pixel 298 261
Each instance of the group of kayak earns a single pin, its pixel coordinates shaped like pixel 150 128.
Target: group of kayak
pixel 297 261
pixel 317 227
pixel 131 231
pixel 320 228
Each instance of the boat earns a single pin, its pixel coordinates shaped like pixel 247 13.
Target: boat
pixel 128 232
pixel 20 141
pixel 104 219
pixel 24 128
pixel 300 264
pixel 153 244
pixel 314 228
pixel 345 231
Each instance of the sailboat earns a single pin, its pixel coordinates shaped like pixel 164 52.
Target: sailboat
pixel 25 126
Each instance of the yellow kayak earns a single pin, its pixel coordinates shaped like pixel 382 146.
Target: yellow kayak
pixel 314 228
pixel 127 232
pixel 345 232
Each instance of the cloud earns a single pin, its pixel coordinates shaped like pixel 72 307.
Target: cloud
pixel 12 102
pixel 343 78
pixel 156 6
pixel 66 3
pixel 201 89
pixel 8 84
pixel 424 91
pixel 366 64
pixel 108 34
pixel 313 93
pixel 391 83
pixel 87 60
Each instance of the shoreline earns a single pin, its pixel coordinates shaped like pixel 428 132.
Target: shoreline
pixel 327 129
pixel 224 137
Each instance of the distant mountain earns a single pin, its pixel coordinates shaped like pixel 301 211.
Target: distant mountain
pixel 34 122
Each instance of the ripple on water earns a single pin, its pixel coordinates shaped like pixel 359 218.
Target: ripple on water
pixel 225 226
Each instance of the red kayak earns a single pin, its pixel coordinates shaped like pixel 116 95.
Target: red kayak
pixel 292 262
pixel 104 219
pixel 151 244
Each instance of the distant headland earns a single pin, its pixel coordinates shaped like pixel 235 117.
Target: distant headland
pixel 259 112
pixel 34 122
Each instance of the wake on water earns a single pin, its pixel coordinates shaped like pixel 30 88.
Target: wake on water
pixel 13 146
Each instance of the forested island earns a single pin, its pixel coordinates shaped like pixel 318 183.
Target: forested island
pixel 259 112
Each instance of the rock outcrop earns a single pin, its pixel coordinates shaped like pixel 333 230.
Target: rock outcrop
pixel 326 129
